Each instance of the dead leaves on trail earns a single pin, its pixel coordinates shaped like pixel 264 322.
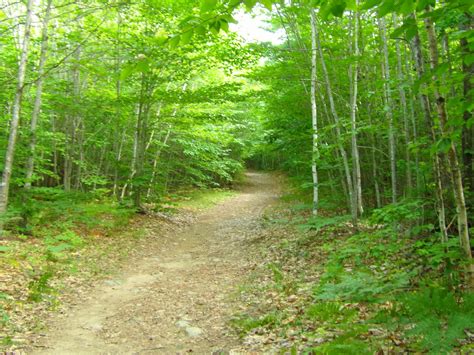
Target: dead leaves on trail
pixel 280 312
pixel 32 285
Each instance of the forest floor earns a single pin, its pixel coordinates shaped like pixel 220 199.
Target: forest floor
pixel 179 294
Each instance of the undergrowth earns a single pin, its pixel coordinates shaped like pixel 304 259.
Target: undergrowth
pixel 46 238
pixel 326 287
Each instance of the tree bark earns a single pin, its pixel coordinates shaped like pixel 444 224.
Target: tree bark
pixel 39 91
pixel 15 118
pixel 355 149
pixel 314 113
pixel 425 106
pixel 463 226
pixel 156 160
pixel 404 114
pixel 335 115
pixel 468 130
pixel 388 110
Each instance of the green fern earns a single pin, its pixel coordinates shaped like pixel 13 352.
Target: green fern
pixel 361 286
pixel 437 320
pixel 317 223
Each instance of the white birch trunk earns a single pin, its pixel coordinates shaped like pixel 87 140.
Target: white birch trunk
pixel 425 105
pixel 39 91
pixel 156 160
pixel 388 109
pixel 314 113
pixel 463 222
pixel 357 201
pixel 340 145
pixel 15 119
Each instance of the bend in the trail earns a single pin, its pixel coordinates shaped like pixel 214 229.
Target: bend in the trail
pixel 177 299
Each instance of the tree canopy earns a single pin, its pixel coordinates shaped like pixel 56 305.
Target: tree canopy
pixel 366 105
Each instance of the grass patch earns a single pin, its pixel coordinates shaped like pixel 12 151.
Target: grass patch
pixel 203 199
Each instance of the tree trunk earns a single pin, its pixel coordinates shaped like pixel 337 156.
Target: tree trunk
pixel 463 227
pixel 404 114
pixel 340 145
pixel 15 119
pixel 156 160
pixel 357 201
pixel 425 105
pixel 39 91
pixel 314 113
pixel 388 109
pixel 468 131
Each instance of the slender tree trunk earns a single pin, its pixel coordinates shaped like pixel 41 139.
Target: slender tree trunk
pixel 340 145
pixel 409 63
pixel 388 109
pixel 15 119
pixel 378 199
pixel 468 129
pixel 136 138
pixel 156 160
pixel 73 122
pixel 39 91
pixel 118 159
pixel 314 113
pixel 425 105
pixel 118 105
pixel 463 226
pixel 404 113
pixel 357 201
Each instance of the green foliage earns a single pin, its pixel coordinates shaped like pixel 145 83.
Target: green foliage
pixel 332 312
pixel 363 287
pixel 399 213
pixel 4 317
pixel 319 222
pixel 39 287
pixel 201 199
pixel 436 318
pixel 345 344
pixel 245 323
pixel 436 253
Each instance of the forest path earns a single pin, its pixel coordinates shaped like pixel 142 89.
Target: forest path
pixel 179 299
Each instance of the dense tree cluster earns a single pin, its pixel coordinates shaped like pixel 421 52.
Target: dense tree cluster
pixel 367 101
pixel 96 100
pixel 388 85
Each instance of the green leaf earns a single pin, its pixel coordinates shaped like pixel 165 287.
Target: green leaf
pixel 369 4
pixel 406 7
pixel 208 5
pixel 338 7
pixel 469 59
pixel 249 4
pixel 385 8
pixel 187 36
pixel 408 29
pixel 174 41
pixel 423 4
pixel 229 18
pixel 162 36
pixel 267 3
pixel 201 30
pixel 128 70
pixel 224 25
pixel 443 145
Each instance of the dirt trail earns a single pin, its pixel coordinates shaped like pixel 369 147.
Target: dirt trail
pixel 178 299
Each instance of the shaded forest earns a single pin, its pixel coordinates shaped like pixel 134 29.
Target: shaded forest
pixel 113 108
